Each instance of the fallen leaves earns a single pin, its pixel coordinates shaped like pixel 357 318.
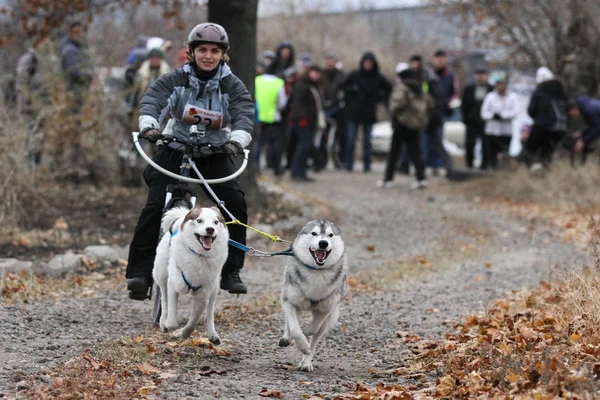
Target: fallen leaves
pixel 271 393
pixel 148 369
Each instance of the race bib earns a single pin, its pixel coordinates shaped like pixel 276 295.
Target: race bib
pixel 193 115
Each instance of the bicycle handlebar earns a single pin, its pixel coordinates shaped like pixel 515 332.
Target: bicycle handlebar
pixel 237 173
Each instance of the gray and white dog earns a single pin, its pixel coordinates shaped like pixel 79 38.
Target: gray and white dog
pixel 315 280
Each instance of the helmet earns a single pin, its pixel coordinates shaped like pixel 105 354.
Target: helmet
pixel 209 33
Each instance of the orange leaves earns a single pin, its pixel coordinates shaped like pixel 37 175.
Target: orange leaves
pixel 147 368
pixel 271 393
pixel 95 364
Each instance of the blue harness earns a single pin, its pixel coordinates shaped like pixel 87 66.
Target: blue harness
pixel 189 285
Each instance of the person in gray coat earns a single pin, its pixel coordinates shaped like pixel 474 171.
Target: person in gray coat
pixel 75 62
pixel 204 91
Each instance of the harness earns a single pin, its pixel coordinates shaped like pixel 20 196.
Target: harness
pixel 188 284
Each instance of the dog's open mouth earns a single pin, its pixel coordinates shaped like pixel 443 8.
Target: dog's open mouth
pixel 319 255
pixel 205 241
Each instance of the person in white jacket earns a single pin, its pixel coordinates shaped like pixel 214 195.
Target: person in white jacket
pixel 498 111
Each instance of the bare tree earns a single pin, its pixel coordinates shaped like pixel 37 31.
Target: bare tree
pixel 560 34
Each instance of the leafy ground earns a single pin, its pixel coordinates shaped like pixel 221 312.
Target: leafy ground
pixel 423 318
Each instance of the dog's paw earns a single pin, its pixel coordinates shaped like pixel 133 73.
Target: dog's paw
pixel 216 340
pixel 302 345
pixel 171 325
pixel 284 342
pixel 182 333
pixel 306 366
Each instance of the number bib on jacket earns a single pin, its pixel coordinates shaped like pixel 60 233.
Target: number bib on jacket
pixel 194 115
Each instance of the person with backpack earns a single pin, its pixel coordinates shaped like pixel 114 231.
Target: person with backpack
pixel 548 109
pixel 411 109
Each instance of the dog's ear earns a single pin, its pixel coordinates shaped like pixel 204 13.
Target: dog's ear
pixel 219 214
pixel 193 214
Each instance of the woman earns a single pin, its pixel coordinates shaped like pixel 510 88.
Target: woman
pixel 205 85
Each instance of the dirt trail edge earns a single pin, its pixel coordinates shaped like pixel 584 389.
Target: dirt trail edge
pixel 417 260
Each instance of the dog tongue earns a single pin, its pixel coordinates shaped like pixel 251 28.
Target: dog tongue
pixel 320 254
pixel 207 242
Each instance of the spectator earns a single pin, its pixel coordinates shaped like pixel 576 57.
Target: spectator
pixel 306 115
pixel 498 110
pixel 136 57
pixel 33 93
pixel 410 108
pixel 332 79
pixel 183 55
pixel 270 100
pixel 139 51
pixel 472 100
pixel 548 109
pixel 587 109
pixel 443 89
pixel 75 62
pixel 363 89
pixel 150 70
pixel 284 59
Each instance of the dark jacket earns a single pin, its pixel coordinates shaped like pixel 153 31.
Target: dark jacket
pixel 410 106
pixel 548 98
pixel 363 90
pixel 332 82
pixel 448 83
pixel 303 105
pixel 471 107
pixel 279 66
pixel 433 86
pixel 590 113
pixel 75 65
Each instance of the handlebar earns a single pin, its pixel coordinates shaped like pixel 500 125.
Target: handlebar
pixel 136 141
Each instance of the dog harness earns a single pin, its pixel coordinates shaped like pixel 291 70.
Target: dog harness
pixel 189 285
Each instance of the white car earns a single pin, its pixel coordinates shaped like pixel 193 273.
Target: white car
pixel 454 137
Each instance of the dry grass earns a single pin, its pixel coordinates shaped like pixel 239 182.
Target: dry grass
pixel 563 188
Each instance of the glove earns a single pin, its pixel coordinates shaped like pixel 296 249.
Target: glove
pixel 497 117
pixel 232 148
pixel 152 135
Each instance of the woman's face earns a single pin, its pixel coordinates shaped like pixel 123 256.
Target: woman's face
pixel 208 56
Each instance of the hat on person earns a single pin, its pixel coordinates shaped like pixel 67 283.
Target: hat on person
pixel 543 74
pixel 481 70
pixel 156 52
pixel 306 59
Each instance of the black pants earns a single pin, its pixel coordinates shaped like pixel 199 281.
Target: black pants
pixel 272 135
pixel 410 137
pixel 475 131
pixel 145 238
pixel 494 146
pixel 541 143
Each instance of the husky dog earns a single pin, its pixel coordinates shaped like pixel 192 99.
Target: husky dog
pixel 315 279
pixel 189 260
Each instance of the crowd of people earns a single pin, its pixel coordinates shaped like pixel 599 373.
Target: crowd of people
pixel 308 113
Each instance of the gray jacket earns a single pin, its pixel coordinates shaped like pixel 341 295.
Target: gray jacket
pixel 179 90
pixel 75 65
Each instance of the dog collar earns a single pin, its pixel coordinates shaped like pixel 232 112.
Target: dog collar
pixel 193 288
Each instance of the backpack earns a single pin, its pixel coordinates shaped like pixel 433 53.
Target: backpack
pixel 560 116
pixel 419 110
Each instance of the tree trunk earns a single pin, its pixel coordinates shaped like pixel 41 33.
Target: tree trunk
pixel 239 17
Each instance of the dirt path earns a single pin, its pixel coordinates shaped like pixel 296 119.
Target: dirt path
pixel 416 260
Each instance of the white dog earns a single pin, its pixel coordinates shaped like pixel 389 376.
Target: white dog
pixel 189 260
pixel 315 279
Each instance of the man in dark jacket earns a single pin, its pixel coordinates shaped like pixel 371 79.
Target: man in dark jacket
pixel 363 89
pixel 284 59
pixel 306 115
pixel 472 100
pixel 75 63
pixel 548 109
pixel 587 109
